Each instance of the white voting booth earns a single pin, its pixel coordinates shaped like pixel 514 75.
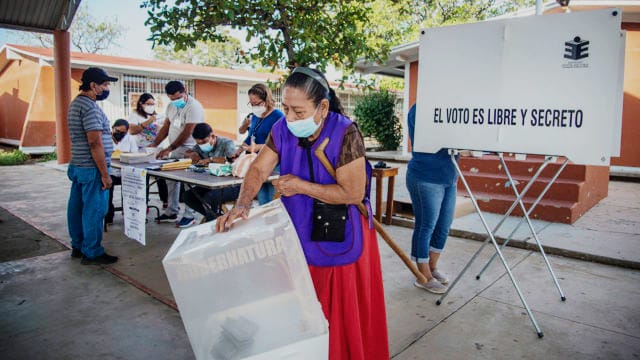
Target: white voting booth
pixel 247 293
pixel 549 85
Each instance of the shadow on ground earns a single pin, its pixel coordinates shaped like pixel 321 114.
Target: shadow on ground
pixel 20 240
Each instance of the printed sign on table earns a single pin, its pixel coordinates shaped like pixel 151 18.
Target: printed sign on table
pixel 134 202
pixel 549 85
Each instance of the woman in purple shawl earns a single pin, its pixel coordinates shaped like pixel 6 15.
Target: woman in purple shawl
pixel 344 264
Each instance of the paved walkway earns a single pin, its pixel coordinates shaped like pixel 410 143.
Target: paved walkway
pixel 54 308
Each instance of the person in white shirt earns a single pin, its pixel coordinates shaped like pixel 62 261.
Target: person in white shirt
pixel 144 123
pixel 122 143
pixel 182 115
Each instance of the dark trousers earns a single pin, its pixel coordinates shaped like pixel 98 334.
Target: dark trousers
pixel 213 198
pixel 163 192
pixel 117 180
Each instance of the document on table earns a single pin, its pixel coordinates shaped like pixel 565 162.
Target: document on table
pixel 134 202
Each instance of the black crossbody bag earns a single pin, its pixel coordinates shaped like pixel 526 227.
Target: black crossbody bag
pixel 329 220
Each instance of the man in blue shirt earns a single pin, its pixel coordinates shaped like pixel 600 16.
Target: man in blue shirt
pixel 91 149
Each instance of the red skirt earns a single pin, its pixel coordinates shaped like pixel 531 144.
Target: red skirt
pixel 352 299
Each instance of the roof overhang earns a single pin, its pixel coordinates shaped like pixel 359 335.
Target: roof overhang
pixel 38 15
pixel 398 58
pixel 8 52
pixel 408 53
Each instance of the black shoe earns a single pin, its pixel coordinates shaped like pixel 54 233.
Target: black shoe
pixel 103 259
pixel 76 253
pixel 167 218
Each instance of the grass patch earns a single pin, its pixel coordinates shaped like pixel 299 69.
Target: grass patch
pixel 48 157
pixel 15 157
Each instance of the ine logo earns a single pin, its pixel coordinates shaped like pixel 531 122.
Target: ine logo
pixel 576 49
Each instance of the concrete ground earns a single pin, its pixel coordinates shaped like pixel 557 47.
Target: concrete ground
pixel 54 308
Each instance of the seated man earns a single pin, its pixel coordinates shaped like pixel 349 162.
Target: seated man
pixel 122 142
pixel 210 149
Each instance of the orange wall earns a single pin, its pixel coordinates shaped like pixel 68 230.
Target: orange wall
pixel 32 118
pixel 219 100
pixel 16 88
pixel 413 93
pixel 40 128
pixel 413 83
pixel 630 150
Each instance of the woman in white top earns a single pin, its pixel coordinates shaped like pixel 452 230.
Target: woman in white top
pixel 144 124
pixel 142 121
pixel 125 143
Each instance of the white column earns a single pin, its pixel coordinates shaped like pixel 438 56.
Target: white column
pixel 405 110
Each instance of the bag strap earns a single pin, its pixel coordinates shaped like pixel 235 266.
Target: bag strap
pixel 306 144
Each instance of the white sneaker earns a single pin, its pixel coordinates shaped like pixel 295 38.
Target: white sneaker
pixel 440 277
pixel 432 285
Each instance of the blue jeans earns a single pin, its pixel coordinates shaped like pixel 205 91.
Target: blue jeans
pixel 267 191
pixel 433 207
pixel 86 210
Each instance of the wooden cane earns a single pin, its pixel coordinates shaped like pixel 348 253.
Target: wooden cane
pixel 363 210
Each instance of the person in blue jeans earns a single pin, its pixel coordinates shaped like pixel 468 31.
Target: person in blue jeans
pixel 431 181
pixel 91 148
pixel 264 115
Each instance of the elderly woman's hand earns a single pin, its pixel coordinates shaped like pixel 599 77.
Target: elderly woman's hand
pixel 223 223
pixel 288 185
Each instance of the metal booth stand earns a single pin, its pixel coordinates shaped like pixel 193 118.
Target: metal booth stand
pixel 491 232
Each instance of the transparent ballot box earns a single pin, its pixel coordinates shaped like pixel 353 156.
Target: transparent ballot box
pixel 247 293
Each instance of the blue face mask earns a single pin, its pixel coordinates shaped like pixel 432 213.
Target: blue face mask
pixel 179 103
pixel 103 95
pixel 303 128
pixel 207 147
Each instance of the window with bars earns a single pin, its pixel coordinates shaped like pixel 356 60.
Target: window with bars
pixel 135 85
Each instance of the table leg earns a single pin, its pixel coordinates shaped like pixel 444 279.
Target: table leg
pixel 390 185
pixel 379 198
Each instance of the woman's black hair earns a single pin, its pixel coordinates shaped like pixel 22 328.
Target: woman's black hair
pixel 201 131
pixel 121 122
pixel 139 106
pixel 316 87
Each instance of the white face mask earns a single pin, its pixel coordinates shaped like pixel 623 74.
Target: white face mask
pixel 305 127
pixel 149 109
pixel 259 110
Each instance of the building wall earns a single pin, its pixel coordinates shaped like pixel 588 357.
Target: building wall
pixel 17 83
pixel 40 127
pixel 243 108
pixel 413 83
pixel 219 100
pixel 630 151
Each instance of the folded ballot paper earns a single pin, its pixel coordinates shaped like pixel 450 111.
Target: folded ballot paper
pixel 247 293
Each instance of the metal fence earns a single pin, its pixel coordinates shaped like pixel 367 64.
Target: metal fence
pixel 134 85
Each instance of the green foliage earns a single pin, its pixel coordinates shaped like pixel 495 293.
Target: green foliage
pixel 15 157
pixel 390 83
pixel 206 53
pixel 285 33
pixel 376 117
pixel 433 13
pixel 48 157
